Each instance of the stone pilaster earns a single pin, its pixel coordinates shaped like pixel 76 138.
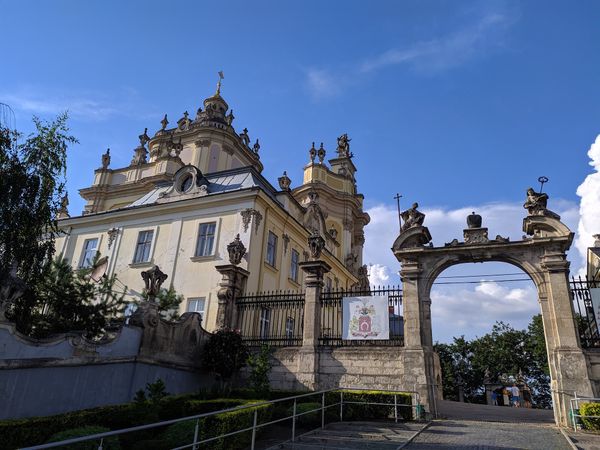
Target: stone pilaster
pixel 308 358
pixel 230 288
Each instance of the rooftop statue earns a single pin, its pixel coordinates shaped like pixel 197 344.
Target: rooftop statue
pixel 536 202
pixel 106 159
pixel 144 138
pixel 343 147
pixel 229 118
pixel 412 218
pixel 244 137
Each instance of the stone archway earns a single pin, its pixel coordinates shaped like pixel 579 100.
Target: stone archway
pixel 541 255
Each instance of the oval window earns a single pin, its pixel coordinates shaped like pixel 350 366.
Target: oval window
pixel 186 184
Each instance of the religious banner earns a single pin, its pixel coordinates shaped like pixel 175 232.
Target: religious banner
pixel 595 295
pixel 366 318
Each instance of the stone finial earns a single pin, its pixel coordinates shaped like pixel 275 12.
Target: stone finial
pixel 316 244
pixel 106 159
pixel 164 123
pixel 256 147
pixel 473 220
pixel 153 279
pixel 312 153
pixel 321 154
pixel 229 118
pixel 244 137
pixel 284 182
pixel 596 240
pixel 236 250
pixel 144 138
pixel 412 218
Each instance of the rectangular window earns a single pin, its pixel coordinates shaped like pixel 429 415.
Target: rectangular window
pixel 196 305
pixel 289 327
pixel 206 239
pixel 142 248
pixel 271 248
pixel 265 322
pixel 90 248
pixel 294 265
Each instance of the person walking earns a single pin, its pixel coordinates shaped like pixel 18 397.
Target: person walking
pixel 515 396
pixel 494 398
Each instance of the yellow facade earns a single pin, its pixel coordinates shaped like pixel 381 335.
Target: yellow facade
pixel 186 195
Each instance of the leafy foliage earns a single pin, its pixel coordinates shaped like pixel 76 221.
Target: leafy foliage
pixel 224 354
pixel 503 351
pixel 168 302
pixel 32 182
pixel 590 409
pixel 110 443
pixel 63 300
pixel 260 365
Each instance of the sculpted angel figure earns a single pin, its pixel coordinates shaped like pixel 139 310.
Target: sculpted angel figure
pixel 536 201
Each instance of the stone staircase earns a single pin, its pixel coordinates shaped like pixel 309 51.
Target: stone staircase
pixel 356 435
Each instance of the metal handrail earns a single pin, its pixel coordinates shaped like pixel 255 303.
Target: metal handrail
pixel 255 426
pixel 574 402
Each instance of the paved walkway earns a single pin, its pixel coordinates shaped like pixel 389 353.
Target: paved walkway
pixel 471 411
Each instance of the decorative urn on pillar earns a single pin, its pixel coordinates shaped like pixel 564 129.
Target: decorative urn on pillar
pixel 236 250
pixel 316 244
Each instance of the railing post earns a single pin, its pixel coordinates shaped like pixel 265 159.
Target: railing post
pixel 341 406
pixel 254 429
pixel 101 442
pixel 294 422
pixel 196 429
pixel 323 410
pixel 396 408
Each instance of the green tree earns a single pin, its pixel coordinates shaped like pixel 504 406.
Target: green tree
pixel 224 354
pixel 260 365
pixel 32 182
pixel 63 300
pixel 502 351
pixel 168 302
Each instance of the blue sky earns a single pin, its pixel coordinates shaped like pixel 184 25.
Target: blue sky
pixel 453 104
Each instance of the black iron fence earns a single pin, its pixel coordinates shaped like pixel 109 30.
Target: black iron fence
pixel 332 317
pixel 274 318
pixel 584 310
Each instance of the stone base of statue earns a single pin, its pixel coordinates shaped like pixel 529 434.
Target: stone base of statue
pixel 476 235
pixel 413 237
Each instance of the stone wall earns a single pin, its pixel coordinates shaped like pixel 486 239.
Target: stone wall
pixel 368 367
pixel 593 357
pixel 68 372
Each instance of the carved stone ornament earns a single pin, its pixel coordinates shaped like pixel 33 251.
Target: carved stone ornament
pixel 536 204
pixel 164 123
pixel 286 240
pixel 106 159
pixel 236 250
pixel 312 153
pixel 140 156
pixel 112 235
pixel 256 147
pixel 316 244
pixel 284 182
pixel 343 148
pixel 474 220
pixel 247 215
pixel 476 236
pixel 321 154
pixel 412 218
pixel 153 279
pixel 63 212
pixel 244 137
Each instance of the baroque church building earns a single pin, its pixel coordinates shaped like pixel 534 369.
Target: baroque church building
pixel 192 188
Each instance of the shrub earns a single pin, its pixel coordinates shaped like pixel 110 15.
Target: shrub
pixel 260 365
pixel 110 443
pixel 365 412
pixel 590 409
pixel 312 419
pixel 182 433
pixel 224 354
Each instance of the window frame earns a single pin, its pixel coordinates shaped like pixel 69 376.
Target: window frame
pixel 214 239
pixel 294 268
pixel 197 300
pixel 273 255
pixel 150 248
pixel 264 322
pixel 84 252
pixel 289 330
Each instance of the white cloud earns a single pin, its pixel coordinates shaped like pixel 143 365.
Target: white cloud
pixel 469 309
pixel 589 207
pixel 83 106
pixel 379 275
pixel 429 56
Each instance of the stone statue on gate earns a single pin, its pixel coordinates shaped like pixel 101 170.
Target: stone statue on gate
pixel 412 218
pixel 536 204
